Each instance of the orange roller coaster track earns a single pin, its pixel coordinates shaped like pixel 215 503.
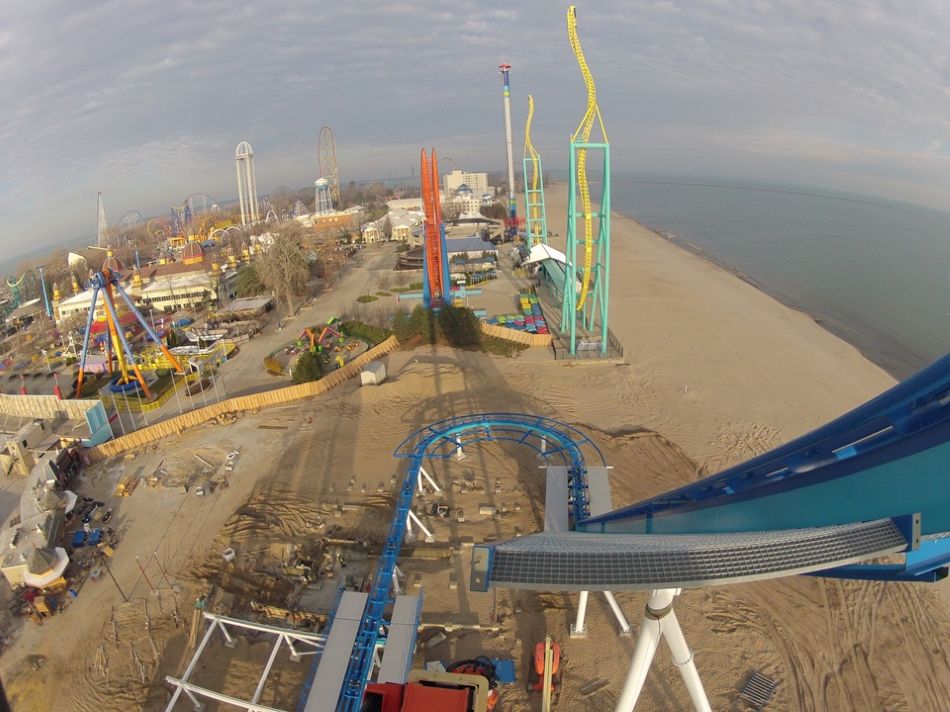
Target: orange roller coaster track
pixel 436 288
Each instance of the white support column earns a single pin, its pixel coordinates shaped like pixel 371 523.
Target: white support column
pixel 228 640
pixel 544 444
pixel 270 662
pixel 578 630
pixel 396 573
pixel 659 620
pixel 625 628
pixel 683 659
pixel 198 704
pixel 414 518
pixel 432 484
pixel 459 455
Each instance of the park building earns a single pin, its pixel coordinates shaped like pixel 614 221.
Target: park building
pixel 469 204
pixel 192 282
pixel 405 218
pixel 331 223
pixel 476 182
pixel 371 234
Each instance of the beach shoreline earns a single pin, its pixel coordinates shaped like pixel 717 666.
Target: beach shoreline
pixel 899 365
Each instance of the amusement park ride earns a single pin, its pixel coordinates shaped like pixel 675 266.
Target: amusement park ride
pixel 129 379
pixel 512 222
pixel 586 305
pixel 536 224
pixel 436 286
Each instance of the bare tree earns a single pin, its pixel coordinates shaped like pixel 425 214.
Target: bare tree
pixel 386 229
pixel 451 211
pixel 283 268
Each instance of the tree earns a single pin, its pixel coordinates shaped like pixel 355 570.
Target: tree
pixel 495 211
pixel 309 367
pixel 249 282
pixel 283 268
pixel 460 326
pixel 451 211
pixel 386 229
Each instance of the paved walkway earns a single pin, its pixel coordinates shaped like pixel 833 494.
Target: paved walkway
pixel 245 374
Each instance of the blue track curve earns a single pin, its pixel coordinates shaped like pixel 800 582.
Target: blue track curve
pixel 885 464
pixel 563 445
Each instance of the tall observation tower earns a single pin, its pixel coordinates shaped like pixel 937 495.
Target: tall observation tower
pixel 512 230
pixel 247 188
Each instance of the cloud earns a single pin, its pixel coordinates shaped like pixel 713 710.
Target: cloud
pixel 145 101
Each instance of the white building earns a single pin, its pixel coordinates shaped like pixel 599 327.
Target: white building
pixel 404 222
pixel 469 205
pixel 478 182
pixel 371 234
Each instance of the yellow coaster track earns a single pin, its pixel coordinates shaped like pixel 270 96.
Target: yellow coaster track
pixel 535 169
pixel 582 133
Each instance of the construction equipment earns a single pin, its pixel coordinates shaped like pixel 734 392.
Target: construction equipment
pixel 479 666
pixel 546 675
pixel 427 691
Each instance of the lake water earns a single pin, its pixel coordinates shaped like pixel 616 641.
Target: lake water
pixel 873 271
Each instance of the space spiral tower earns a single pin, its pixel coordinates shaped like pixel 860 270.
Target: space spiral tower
pixel 505 70
pixel 247 188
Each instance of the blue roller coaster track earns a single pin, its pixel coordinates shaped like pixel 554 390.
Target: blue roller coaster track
pixel 874 482
pixel 563 445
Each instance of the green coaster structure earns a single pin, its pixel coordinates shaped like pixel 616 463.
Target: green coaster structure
pixel 536 223
pixel 585 301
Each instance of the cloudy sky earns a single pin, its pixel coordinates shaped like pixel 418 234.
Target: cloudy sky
pixel 146 100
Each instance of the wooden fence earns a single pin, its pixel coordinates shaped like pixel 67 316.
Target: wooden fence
pixel 519 337
pixel 278 396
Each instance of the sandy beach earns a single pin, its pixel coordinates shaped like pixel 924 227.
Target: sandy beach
pixel 714 371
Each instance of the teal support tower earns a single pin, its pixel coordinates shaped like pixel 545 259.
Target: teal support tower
pixel 536 222
pixel 586 296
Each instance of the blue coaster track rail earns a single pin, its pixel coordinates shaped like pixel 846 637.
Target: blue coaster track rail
pixel 875 481
pixel 563 444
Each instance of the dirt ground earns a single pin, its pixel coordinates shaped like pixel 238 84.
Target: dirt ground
pixel 323 471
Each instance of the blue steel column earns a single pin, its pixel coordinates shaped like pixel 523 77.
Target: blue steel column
pixel 85 339
pixel 49 309
pixel 446 276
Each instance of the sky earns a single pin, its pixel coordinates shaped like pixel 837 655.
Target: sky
pixel 146 101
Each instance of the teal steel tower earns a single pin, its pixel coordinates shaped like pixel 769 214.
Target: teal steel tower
pixel 585 301
pixel 536 223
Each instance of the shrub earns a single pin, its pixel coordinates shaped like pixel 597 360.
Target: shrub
pixel 460 326
pixel 367 298
pixel 383 293
pixel 424 324
pixel 402 324
pixel 309 367
pixel 367 332
pixel 415 285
